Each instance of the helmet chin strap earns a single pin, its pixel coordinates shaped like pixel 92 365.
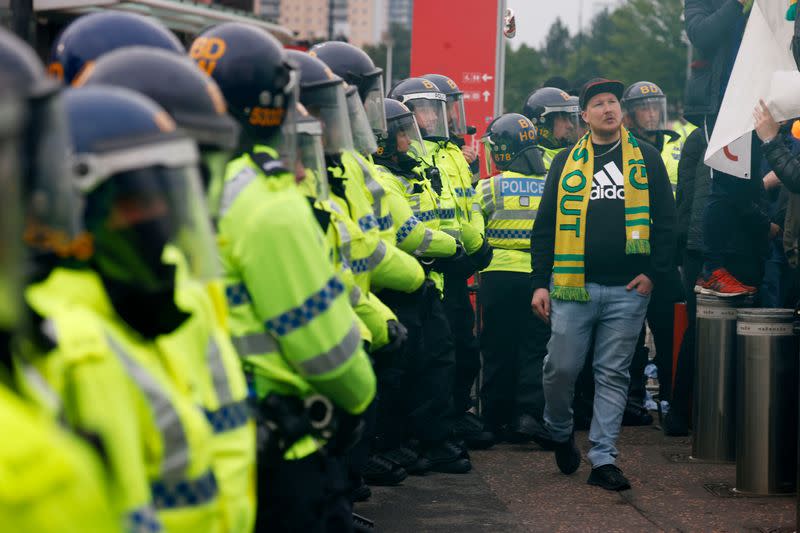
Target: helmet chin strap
pixel 528 162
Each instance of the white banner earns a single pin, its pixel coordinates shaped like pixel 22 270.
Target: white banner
pixel 765 69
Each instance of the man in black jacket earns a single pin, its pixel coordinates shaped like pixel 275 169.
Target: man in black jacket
pixel 607 302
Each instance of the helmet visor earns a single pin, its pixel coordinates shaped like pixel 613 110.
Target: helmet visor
pixel 491 154
pixel 311 171
pixel 52 219
pixel 404 136
pixel 149 217
pixel 373 104
pixel 287 145
pixel 363 136
pixel 431 116
pixel 328 104
pixel 457 118
pixel 648 114
pixel 10 215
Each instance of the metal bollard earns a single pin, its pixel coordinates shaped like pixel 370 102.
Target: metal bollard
pixel 714 402
pixel 766 455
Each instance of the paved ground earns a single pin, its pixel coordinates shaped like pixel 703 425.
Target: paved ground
pixel 519 488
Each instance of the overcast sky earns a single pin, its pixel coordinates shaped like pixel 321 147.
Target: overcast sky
pixel 534 17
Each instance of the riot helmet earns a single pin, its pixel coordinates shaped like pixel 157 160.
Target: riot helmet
pixel 403 139
pixel 138 178
pixel 90 36
pixel 427 102
pixel 645 108
pixel 355 67
pixel 456 117
pixel 257 80
pixel 510 144
pixel 555 114
pixel 192 99
pixel 322 93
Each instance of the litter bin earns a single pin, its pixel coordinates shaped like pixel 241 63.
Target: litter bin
pixel 714 399
pixel 766 453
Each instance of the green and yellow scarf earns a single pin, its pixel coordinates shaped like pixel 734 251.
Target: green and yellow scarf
pixel 575 186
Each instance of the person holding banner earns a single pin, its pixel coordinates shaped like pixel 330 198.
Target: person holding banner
pixel 603 232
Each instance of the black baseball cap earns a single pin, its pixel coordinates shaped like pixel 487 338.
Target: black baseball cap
pixel 597 86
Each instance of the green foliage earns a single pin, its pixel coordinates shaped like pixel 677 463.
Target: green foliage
pixel 639 40
pixel 401 58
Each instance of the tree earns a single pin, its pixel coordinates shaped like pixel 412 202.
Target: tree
pixel 524 73
pixel 401 59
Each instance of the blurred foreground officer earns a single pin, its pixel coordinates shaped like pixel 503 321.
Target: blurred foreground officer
pixel 211 370
pixel 51 480
pixel 290 315
pixel 514 341
pixel 556 116
pixel 90 36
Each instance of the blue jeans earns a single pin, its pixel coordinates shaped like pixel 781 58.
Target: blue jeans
pixel 615 315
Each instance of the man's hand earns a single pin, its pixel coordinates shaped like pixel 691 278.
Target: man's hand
pixel 642 284
pixel 771 181
pixel 541 304
pixel 765 125
pixel 774 230
pixel 470 153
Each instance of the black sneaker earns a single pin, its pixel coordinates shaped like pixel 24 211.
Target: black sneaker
pixel 446 457
pixel 675 425
pixel 568 457
pixel 636 416
pixel 362 524
pixel 379 471
pixel 609 477
pixel 529 428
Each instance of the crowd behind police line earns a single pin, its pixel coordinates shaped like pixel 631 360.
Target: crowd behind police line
pixel 241 294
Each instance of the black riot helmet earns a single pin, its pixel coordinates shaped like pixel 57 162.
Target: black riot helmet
pixel 259 83
pixel 510 144
pixel 556 114
pixel 355 67
pixel 90 36
pixel 140 184
pixel 427 102
pixel 174 82
pixel 322 93
pixel 644 105
pixel 52 229
pixel 403 136
pixel 456 117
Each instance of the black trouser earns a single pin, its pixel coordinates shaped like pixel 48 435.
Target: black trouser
pixel 461 317
pixel 417 385
pixel 358 456
pixel 748 270
pixel 310 494
pixel 514 344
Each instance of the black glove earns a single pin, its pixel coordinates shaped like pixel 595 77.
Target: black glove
pixel 457 265
pixel 397 336
pixel 349 430
pixel 483 256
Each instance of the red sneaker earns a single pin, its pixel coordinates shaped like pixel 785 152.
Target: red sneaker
pixel 721 283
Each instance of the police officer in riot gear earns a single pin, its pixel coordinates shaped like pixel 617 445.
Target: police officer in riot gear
pixel 92 35
pixel 644 108
pixel 288 308
pixel 556 115
pixel 513 340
